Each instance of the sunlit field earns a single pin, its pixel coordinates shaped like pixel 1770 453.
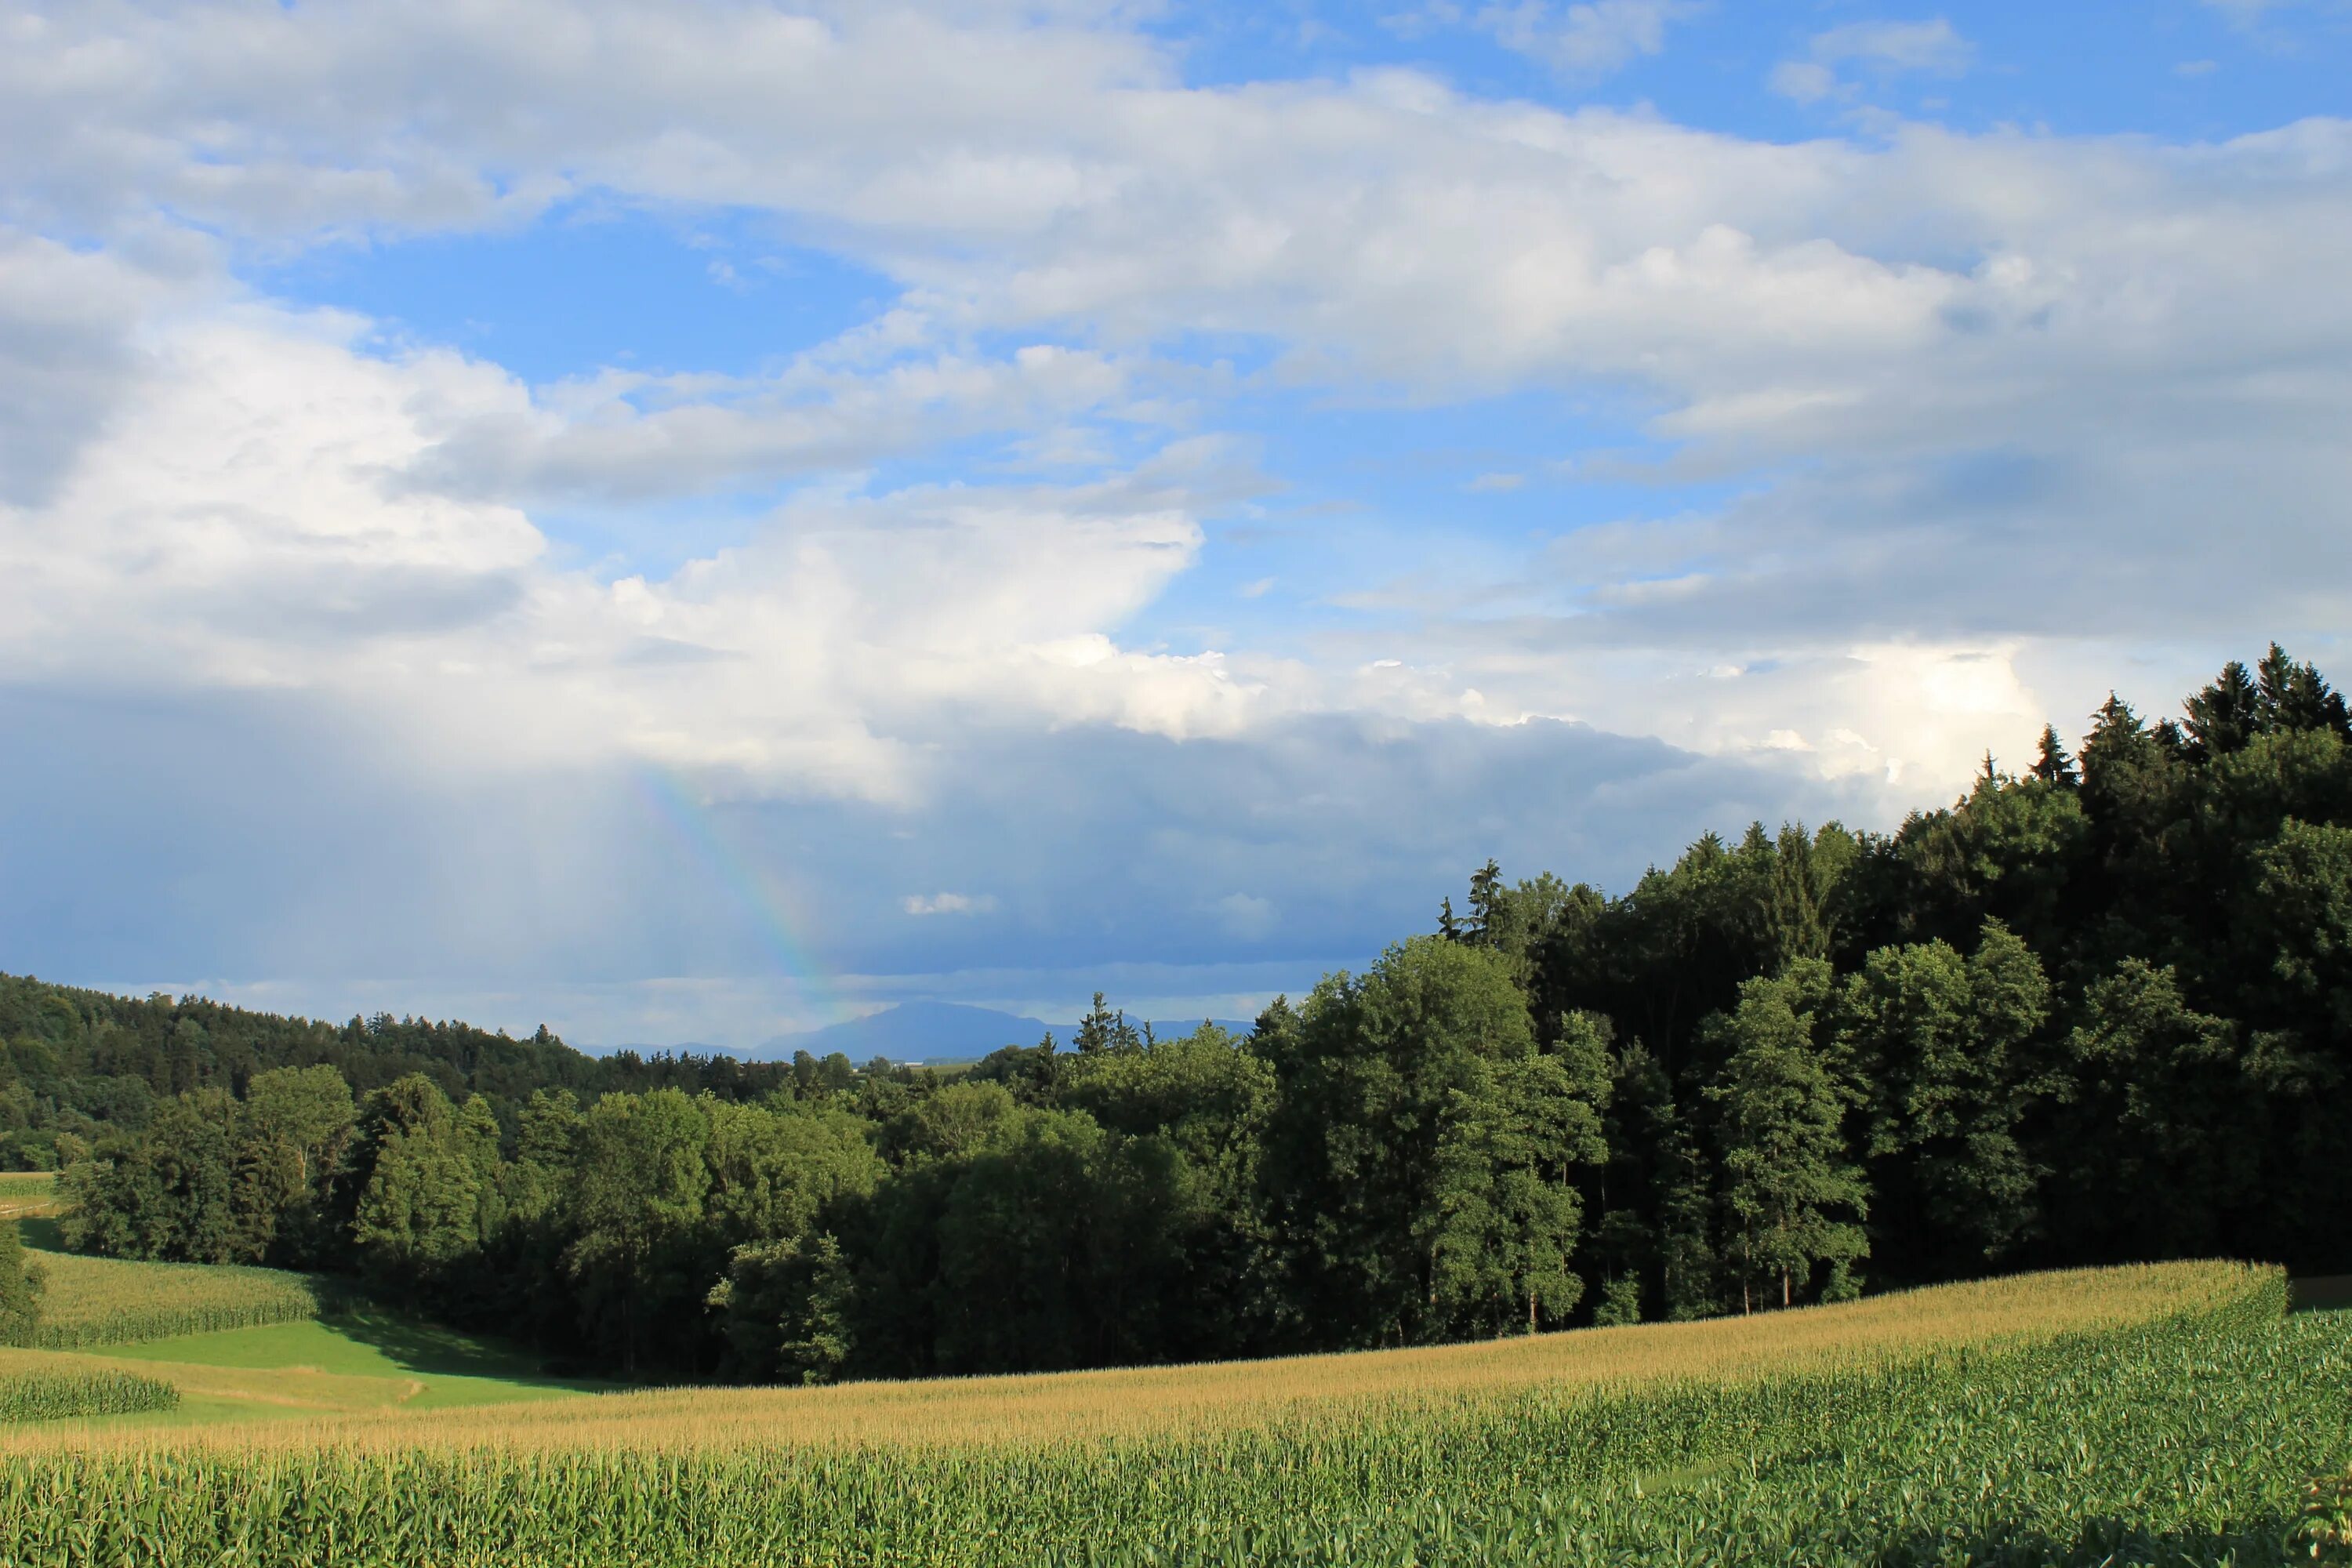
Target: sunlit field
pixel 2159 1415
pixel 984 1412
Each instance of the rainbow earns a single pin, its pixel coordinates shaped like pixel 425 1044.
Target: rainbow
pixel 698 829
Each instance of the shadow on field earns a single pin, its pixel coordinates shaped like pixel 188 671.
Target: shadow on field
pixel 2100 1544
pixel 2321 1293
pixel 434 1350
pixel 41 1235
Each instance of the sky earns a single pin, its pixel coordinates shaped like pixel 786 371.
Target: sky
pixel 690 522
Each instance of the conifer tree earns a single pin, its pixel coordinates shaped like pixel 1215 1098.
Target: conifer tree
pixel 2226 715
pixel 2053 766
pixel 2294 696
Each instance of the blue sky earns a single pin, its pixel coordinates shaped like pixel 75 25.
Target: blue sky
pixel 688 523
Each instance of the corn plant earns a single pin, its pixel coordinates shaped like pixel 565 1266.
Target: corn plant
pixel 53 1395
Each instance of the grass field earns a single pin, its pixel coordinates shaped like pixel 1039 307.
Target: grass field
pixel 2165 1417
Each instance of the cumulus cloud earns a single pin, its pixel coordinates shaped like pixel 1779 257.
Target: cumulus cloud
pixel 266 510
pixel 1590 38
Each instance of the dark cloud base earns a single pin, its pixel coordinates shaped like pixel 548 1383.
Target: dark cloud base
pixel 259 837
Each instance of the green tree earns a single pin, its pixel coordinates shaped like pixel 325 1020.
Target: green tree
pixel 163 1194
pixel 1792 1198
pixel 1104 1030
pixel 2163 1154
pixel 1064 1245
pixel 292 1132
pixel 1935 1048
pixel 1406 1104
pixel 1507 1211
pixel 2300 914
pixel 959 1119
pixel 2226 714
pixel 2051 765
pixel 788 1308
pixel 2294 696
pixel 639 1187
pixel 536 1179
pixel 21 1282
pixel 417 1216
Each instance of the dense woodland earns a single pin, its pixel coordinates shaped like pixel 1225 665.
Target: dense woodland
pixel 2095 1010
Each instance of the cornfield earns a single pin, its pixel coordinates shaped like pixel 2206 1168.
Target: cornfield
pixel 26 1192
pixel 106 1300
pixel 1026 1412
pixel 2184 1435
pixel 63 1394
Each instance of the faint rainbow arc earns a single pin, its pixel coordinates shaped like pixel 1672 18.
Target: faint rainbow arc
pixel 692 825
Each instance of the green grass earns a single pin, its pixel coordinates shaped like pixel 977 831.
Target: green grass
pixel 237 1345
pixel 2186 1440
pixel 352 1360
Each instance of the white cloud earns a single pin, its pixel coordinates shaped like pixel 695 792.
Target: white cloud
pixel 1928 355
pixel 1930 45
pixel 949 904
pixel 626 436
pixel 1591 37
pixel 1807 81
pixel 258 513
pixel 1885 48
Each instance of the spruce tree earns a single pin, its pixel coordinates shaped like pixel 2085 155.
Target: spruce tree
pixel 2226 715
pixel 2294 696
pixel 2053 766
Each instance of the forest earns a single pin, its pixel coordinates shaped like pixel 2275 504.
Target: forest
pixel 2098 1010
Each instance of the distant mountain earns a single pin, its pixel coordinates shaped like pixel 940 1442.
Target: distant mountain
pixel 911 1032
pixel 933 1032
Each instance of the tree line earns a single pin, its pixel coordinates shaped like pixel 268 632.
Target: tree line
pixel 2098 1010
